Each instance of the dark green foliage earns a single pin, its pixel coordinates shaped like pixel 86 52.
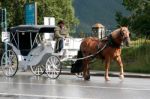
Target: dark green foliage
pixel 60 9
pixel 137 59
pixel 15 13
pixel 121 20
pixel 139 20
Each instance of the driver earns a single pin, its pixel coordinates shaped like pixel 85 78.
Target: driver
pixel 60 34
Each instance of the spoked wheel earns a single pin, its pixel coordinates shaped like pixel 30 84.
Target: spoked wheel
pixel 53 67
pixel 79 75
pixel 37 70
pixel 9 63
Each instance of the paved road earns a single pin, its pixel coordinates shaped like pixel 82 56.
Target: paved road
pixel 27 86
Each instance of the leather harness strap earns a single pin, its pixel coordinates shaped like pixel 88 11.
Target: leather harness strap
pixel 112 43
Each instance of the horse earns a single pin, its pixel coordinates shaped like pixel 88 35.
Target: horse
pixel 107 49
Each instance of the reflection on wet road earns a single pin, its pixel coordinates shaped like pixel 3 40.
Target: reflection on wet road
pixel 24 86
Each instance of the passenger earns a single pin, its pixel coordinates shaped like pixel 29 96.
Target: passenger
pixel 60 34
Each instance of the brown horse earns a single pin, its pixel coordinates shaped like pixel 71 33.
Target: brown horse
pixel 109 49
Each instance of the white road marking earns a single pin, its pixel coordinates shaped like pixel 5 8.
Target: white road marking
pixel 81 86
pixel 42 96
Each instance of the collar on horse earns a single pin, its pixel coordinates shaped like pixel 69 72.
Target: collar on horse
pixel 112 43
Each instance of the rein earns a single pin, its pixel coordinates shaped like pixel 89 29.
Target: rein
pixel 112 43
pixel 92 55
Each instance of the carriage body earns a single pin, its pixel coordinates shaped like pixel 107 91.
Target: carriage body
pixel 34 46
pixel 26 42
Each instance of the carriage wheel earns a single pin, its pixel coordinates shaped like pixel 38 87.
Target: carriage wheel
pixel 53 67
pixel 9 63
pixel 79 75
pixel 38 70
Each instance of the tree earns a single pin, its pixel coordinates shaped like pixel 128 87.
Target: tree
pixel 139 20
pixel 15 13
pixel 121 20
pixel 60 9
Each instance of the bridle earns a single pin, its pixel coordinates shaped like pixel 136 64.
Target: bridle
pixel 123 35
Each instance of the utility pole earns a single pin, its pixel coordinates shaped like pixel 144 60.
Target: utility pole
pixel 5 35
pixel 3 20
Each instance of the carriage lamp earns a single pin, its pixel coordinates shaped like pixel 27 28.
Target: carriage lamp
pixel 98 30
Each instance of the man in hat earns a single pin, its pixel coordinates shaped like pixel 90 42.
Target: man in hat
pixel 61 33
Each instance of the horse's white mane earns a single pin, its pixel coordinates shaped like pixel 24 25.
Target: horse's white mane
pixel 115 32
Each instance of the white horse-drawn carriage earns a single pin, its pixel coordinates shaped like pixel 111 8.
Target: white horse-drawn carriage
pixel 34 46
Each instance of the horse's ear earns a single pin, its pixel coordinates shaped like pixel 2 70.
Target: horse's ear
pixel 126 26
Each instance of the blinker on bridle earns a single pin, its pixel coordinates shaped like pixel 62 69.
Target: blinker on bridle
pixel 122 34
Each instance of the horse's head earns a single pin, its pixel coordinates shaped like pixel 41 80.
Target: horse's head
pixel 125 35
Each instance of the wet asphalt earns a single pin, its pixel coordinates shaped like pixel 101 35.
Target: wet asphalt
pixel 27 86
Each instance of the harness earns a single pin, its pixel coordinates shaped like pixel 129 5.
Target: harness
pixel 112 43
pixel 89 56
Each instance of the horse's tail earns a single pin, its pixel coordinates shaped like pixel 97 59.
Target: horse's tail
pixel 77 67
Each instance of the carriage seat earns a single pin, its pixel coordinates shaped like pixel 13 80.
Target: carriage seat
pixel 48 36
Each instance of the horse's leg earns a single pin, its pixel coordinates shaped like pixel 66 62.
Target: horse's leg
pixel 86 73
pixel 119 61
pixel 84 69
pixel 107 64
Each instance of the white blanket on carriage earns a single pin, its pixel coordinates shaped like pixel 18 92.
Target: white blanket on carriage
pixel 72 43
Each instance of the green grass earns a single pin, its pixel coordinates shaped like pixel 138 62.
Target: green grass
pixel 135 58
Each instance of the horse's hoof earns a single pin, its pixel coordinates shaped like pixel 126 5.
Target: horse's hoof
pixel 121 77
pixel 87 77
pixel 107 79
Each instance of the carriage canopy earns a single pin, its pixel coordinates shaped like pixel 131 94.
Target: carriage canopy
pixel 32 29
pixel 26 37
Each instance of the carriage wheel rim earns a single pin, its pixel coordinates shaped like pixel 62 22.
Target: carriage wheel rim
pixel 37 70
pixel 53 67
pixel 9 63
